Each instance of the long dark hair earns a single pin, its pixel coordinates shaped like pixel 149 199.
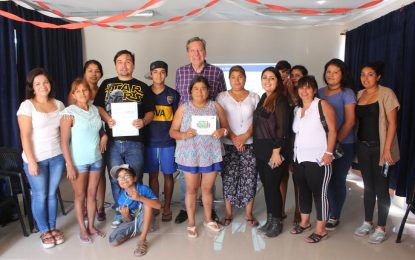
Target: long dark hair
pixel 377 66
pixel 308 81
pixel 269 103
pixel 30 92
pixel 89 62
pixel 347 81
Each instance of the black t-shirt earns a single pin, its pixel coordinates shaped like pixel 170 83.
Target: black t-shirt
pixel 114 90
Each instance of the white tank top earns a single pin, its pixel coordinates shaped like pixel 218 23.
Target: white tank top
pixel 310 137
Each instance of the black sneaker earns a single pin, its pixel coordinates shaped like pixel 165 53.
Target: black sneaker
pixel 215 216
pixel 332 224
pixel 181 217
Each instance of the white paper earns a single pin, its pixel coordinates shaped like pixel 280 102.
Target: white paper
pixel 204 125
pixel 124 114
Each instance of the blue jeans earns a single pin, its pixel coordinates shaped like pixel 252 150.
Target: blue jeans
pixel 44 186
pixel 337 186
pixel 121 152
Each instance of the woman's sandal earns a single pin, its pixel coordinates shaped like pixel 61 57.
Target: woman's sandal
pixel 315 238
pixel 58 236
pixel 212 226
pixel 141 248
pixel 47 240
pixel 297 229
pixel 166 217
pixel 252 222
pixel 226 221
pixel 191 232
pixel 99 233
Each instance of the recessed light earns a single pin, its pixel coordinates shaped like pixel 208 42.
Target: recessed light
pixel 321 2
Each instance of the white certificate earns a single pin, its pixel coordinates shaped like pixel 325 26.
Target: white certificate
pixel 204 125
pixel 124 114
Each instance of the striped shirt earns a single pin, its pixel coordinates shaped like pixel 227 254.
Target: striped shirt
pixel 186 73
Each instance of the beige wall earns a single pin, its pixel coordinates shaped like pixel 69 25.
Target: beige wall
pixel 226 43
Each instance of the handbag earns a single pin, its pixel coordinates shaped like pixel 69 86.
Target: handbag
pixel 338 150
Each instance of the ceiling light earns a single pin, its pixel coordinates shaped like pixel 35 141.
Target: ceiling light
pixel 146 13
pixel 321 2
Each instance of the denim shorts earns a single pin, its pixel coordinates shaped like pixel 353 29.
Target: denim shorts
pixel 92 167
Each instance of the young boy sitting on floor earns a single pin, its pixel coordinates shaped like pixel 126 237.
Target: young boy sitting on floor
pixel 136 204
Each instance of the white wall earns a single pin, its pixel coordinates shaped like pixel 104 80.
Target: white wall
pixel 226 43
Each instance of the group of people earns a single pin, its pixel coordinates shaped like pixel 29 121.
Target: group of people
pixel 199 129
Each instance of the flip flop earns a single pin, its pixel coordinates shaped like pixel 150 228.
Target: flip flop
pixel 212 226
pixel 99 233
pixel 226 221
pixel 191 232
pixel 166 217
pixel 85 240
pixel 252 222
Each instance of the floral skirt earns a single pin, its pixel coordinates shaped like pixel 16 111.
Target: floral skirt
pixel 239 175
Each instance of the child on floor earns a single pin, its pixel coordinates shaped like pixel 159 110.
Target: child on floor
pixel 136 204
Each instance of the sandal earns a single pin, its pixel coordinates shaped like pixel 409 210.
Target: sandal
pixel 85 239
pixel 297 229
pixel 99 233
pixel 191 232
pixel 47 240
pixel 212 226
pixel 226 221
pixel 58 236
pixel 252 222
pixel 141 248
pixel 315 238
pixel 166 217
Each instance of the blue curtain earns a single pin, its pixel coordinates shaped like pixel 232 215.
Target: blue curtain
pixel 57 50
pixel 9 91
pixel 391 38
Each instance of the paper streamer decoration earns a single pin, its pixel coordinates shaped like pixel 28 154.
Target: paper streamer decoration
pixel 104 22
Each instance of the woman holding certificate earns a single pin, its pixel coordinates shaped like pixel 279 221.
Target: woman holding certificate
pixel 271 131
pixel 197 127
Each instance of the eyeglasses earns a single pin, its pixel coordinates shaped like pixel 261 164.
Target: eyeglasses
pixel 124 177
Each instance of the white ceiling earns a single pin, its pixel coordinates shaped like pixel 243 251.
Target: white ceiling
pixel 240 11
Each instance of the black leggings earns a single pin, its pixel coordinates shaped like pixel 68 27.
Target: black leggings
pixel 271 180
pixel 376 184
pixel 313 182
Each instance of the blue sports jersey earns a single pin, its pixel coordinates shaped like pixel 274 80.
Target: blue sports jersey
pixel 157 132
pixel 136 207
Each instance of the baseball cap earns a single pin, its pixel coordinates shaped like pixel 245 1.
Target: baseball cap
pixel 159 64
pixel 115 170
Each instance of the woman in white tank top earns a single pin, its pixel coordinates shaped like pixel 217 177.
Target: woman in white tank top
pixel 313 154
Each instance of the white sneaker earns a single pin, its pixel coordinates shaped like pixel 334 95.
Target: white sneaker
pixel 364 229
pixel 378 237
pixel 115 223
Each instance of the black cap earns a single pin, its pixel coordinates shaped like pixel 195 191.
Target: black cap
pixel 159 64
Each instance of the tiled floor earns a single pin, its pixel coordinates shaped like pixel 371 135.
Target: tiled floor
pixel 237 241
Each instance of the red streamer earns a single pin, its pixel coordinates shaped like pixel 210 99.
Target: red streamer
pixel 313 11
pixel 104 22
